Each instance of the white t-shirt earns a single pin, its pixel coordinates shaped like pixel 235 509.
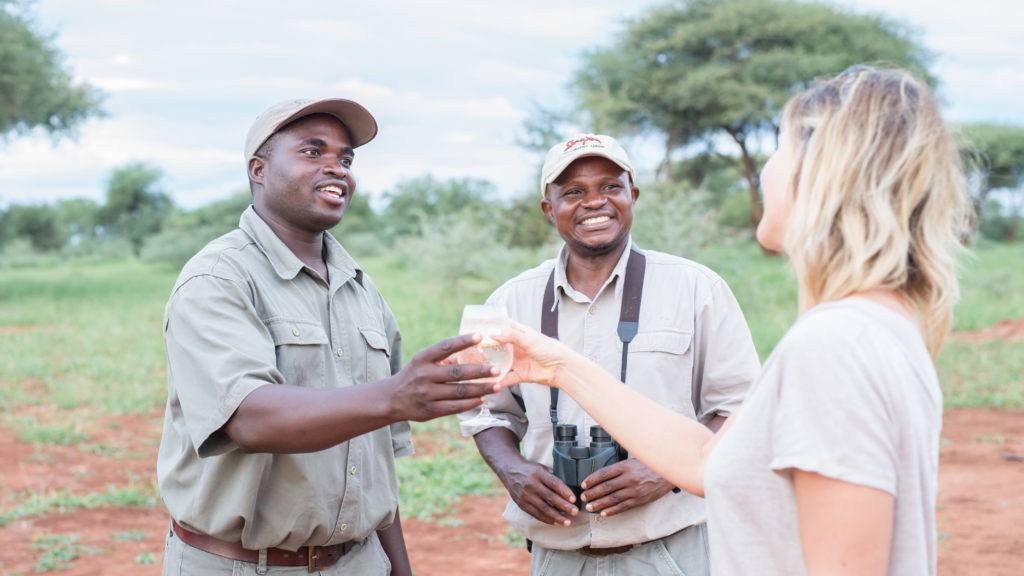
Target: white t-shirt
pixel 850 393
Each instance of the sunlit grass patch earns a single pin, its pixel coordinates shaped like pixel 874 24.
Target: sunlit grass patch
pixel 35 504
pixel 128 536
pixel 430 483
pixel 57 551
pixel 982 374
pixel 31 431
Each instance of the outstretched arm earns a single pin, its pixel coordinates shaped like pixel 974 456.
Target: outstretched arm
pixel 636 422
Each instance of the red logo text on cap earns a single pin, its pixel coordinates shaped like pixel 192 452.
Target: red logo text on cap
pixel 582 140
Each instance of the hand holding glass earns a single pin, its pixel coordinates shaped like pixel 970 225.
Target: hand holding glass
pixel 486 321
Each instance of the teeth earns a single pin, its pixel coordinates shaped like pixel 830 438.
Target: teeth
pixel 596 220
pixel 332 189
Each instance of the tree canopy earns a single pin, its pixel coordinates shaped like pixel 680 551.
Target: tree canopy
pixel 136 206
pixel 704 72
pixel 36 89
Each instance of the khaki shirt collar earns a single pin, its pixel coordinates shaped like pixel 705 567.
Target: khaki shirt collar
pixel 562 279
pixel 286 264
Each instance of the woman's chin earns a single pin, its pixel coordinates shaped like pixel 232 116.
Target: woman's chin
pixel 767 239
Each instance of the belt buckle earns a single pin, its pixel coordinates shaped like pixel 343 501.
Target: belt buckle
pixel 312 558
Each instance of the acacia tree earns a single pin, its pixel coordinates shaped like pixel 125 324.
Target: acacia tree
pixel 995 158
pixel 704 72
pixel 136 206
pixel 36 90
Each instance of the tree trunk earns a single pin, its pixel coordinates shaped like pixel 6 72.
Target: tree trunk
pixel 751 176
pixel 664 170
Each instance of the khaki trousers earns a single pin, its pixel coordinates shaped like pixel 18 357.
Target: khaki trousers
pixel 684 553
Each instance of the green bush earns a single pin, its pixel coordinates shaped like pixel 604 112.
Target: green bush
pixel 735 211
pixel 464 246
pixel 173 247
pixel 675 219
pixel 999 222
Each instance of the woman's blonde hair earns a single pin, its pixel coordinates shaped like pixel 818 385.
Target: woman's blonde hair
pixel 880 195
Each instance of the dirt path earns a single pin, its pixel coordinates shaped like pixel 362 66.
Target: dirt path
pixel 981 493
pixel 980 519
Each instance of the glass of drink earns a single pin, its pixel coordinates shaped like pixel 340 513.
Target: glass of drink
pixel 486 321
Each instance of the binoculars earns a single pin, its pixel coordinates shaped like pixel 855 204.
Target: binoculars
pixel 572 463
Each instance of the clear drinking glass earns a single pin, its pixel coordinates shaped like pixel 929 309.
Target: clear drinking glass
pixel 486 321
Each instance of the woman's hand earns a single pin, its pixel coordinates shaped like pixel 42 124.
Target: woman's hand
pixel 536 358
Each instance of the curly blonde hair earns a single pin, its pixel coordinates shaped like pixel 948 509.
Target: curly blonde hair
pixel 880 197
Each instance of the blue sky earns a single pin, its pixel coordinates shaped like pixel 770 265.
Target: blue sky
pixel 449 82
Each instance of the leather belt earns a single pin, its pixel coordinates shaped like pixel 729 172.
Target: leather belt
pixel 600 552
pixel 314 558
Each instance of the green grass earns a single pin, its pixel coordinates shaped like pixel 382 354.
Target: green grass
pixel 61 502
pixel 95 336
pixel 91 336
pixel 30 431
pixel 128 536
pixel 429 484
pixel 57 551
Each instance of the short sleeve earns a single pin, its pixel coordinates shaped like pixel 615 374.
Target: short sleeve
pixel 401 432
pixel 505 406
pixel 833 415
pixel 218 352
pixel 725 363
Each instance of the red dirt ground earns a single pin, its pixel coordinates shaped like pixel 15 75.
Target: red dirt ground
pixel 980 518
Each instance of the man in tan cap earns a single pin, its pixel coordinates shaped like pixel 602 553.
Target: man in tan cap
pixel 668 327
pixel 287 404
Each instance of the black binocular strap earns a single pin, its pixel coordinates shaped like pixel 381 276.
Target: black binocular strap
pixel 629 314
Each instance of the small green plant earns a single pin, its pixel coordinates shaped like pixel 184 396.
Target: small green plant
pixel 990 438
pixel 57 551
pixel 102 449
pixel 30 431
pixel 514 538
pixel 430 484
pixel 61 502
pixel 145 558
pixel 129 536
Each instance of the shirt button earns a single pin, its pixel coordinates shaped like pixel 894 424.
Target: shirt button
pixel 340 352
pixel 295 331
pixel 353 470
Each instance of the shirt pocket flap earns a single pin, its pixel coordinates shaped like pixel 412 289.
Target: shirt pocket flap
pixel 285 331
pixel 670 341
pixel 375 339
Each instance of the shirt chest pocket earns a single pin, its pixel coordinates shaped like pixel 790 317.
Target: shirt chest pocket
pixel 301 349
pixel 378 353
pixel 661 365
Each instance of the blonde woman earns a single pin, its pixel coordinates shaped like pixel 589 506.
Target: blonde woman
pixel 830 467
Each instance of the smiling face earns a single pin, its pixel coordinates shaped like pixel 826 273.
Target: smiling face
pixel 591 205
pixel 305 181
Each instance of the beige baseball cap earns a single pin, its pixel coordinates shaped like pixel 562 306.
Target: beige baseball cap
pixel 360 123
pixel 564 153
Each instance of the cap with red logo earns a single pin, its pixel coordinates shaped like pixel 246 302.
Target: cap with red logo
pixel 561 155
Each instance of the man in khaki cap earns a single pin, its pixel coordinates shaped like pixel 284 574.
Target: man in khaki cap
pixel 287 404
pixel 690 349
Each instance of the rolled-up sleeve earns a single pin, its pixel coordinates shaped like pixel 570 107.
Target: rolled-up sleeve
pixel 218 352
pixel 506 410
pixel 401 432
pixel 726 363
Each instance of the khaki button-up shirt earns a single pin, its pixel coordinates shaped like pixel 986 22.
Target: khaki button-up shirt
pixel 245 313
pixel 693 343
